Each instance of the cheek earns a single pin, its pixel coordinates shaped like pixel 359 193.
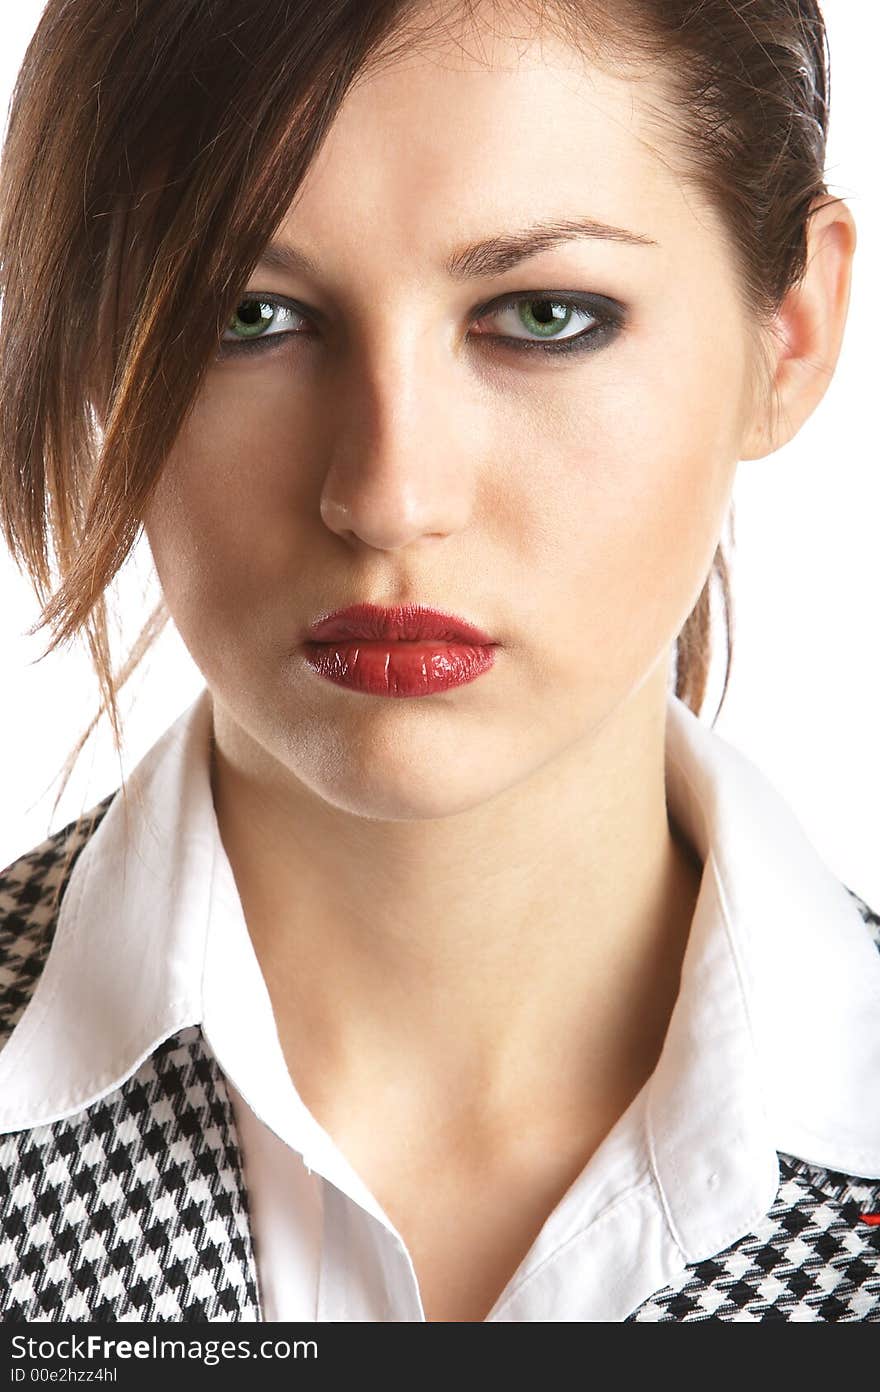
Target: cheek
pixel 630 515
pixel 222 524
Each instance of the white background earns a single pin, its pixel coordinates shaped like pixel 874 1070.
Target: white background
pixel 803 699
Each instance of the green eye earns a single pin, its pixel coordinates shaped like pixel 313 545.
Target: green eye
pixel 551 316
pixel 548 316
pixel 254 316
pixel 544 315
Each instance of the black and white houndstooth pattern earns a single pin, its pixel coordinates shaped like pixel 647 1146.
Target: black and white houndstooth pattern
pixel 136 1207
pixel 811 1258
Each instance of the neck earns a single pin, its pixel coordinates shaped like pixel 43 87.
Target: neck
pixel 529 947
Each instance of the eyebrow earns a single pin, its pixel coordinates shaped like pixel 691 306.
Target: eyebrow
pixel 489 257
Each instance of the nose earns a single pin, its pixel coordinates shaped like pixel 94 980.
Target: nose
pixel 402 460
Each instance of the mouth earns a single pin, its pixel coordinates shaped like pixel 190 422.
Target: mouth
pixel 410 623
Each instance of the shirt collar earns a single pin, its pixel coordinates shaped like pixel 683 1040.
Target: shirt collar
pixel 773 1045
pixel 795 1025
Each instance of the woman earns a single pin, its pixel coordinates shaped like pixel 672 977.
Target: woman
pixel 439 962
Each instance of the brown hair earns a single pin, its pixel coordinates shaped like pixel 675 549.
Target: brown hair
pixel 153 148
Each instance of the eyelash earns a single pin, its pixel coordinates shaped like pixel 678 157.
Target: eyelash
pixel 608 316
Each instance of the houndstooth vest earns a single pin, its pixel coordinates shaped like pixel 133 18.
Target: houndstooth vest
pixel 135 1206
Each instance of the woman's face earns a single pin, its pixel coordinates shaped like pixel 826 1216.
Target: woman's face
pixel 391 439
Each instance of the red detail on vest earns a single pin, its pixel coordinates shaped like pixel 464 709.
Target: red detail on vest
pixel 872 1218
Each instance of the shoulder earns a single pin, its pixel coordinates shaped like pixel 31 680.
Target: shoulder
pixel 31 890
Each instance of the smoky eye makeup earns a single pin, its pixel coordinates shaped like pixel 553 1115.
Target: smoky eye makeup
pixel 547 322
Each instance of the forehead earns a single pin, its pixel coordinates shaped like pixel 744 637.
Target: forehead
pixel 466 132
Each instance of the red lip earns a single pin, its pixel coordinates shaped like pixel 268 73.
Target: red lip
pixel 408 623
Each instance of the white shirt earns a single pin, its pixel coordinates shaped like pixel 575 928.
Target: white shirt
pixel 773 1045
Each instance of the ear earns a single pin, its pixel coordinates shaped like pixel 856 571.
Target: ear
pixel 806 335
